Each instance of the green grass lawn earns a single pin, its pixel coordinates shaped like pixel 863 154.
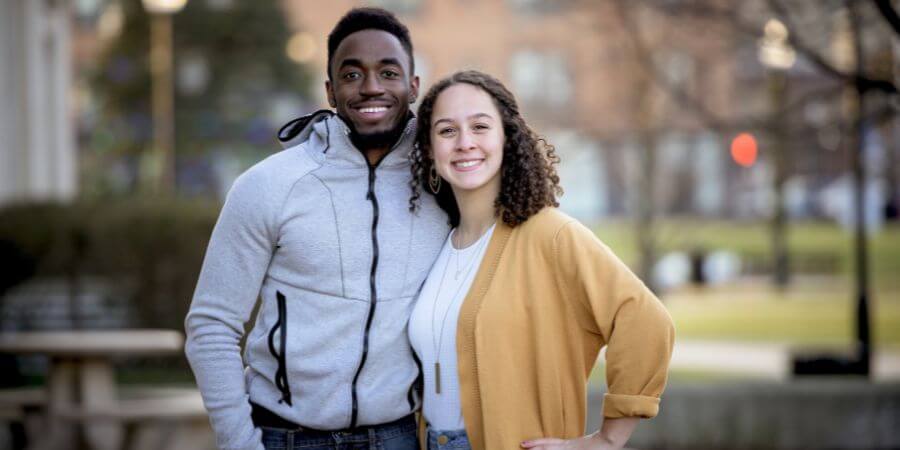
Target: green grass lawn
pixel 818 313
pixel 808 242
pixel 817 309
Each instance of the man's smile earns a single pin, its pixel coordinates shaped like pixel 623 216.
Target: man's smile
pixel 372 113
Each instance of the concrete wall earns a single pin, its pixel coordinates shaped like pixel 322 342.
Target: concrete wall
pixel 801 414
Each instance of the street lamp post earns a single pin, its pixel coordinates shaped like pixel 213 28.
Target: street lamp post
pixel 848 42
pixel 777 55
pixel 856 108
pixel 162 91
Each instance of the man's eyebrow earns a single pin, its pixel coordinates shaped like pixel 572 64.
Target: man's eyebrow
pixel 356 62
pixel 388 61
pixel 350 62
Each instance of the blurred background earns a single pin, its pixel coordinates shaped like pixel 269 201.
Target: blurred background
pixel 743 157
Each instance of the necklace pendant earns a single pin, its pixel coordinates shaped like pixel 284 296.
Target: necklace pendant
pixel 437 378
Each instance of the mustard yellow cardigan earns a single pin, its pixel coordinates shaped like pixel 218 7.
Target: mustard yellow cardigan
pixel 547 297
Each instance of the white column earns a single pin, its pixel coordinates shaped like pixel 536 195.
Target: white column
pixel 38 119
pixel 63 164
pixel 12 157
pixel 37 151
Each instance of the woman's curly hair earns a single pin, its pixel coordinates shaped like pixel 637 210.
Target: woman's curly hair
pixel 528 179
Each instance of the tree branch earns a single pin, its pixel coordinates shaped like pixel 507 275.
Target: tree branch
pixel 643 55
pixel 889 14
pixel 799 44
pixel 730 15
pixel 645 59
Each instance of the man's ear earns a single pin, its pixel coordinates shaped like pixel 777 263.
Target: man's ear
pixel 329 94
pixel 414 89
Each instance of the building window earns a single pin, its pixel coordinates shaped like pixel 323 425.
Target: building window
pixel 398 6
pixel 538 6
pixel 540 78
pixel 423 71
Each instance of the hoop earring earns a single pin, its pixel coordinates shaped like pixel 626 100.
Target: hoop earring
pixel 434 180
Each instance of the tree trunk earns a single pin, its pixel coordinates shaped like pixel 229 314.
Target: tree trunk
pixel 891 178
pixel 646 204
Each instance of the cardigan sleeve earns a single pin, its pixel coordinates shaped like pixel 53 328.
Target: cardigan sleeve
pixel 614 304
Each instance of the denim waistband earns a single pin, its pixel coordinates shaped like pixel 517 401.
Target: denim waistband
pixel 447 439
pixel 359 434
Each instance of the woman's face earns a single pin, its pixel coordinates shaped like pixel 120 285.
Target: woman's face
pixel 467 139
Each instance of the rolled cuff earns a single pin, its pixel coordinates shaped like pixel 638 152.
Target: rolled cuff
pixel 617 405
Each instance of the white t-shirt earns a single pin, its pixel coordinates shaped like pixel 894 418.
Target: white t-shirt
pixel 435 314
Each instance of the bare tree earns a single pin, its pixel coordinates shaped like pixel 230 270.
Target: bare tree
pixel 776 123
pixel 861 80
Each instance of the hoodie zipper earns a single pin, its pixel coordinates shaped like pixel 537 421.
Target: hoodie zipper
pixel 281 379
pixel 373 293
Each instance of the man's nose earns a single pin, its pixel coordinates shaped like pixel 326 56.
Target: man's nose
pixel 371 86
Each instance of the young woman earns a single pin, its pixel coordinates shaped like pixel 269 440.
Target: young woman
pixel 522 298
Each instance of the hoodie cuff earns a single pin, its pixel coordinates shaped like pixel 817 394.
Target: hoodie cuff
pixel 617 406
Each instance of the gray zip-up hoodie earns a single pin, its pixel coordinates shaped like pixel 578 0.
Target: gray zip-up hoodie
pixel 328 244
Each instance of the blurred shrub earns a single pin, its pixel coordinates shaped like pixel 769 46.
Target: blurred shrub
pixel 150 248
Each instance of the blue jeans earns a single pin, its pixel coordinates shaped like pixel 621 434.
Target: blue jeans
pixel 397 435
pixel 448 440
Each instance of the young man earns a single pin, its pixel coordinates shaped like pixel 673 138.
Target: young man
pixel 321 232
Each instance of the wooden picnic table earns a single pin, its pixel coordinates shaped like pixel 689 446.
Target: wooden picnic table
pixel 81 376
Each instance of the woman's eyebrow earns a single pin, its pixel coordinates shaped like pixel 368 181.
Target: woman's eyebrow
pixel 478 115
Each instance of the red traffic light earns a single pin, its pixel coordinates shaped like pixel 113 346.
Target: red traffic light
pixel 743 149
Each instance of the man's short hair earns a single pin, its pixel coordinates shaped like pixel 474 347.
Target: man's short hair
pixel 358 19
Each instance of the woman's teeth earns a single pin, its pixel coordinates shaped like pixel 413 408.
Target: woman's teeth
pixel 464 164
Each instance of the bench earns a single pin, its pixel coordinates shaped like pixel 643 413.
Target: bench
pixel 23 409
pixel 17 403
pixel 153 418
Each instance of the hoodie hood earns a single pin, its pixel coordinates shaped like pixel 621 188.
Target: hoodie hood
pixel 327 135
pixel 299 129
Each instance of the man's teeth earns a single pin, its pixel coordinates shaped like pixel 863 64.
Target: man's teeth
pixel 465 164
pixel 373 109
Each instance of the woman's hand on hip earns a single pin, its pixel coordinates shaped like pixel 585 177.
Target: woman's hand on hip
pixel 613 435
pixel 590 442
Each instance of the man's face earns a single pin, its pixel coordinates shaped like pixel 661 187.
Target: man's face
pixel 371 85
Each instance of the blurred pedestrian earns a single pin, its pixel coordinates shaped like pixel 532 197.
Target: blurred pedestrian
pixel 322 233
pixel 522 298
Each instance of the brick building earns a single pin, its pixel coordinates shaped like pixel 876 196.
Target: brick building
pixel 571 66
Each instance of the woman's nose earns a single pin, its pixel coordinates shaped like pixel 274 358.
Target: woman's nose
pixel 465 141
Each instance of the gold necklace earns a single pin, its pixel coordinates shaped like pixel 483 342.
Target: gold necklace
pixel 458 252
pixel 440 339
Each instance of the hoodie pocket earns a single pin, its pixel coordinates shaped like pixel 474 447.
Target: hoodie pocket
pixel 281 379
